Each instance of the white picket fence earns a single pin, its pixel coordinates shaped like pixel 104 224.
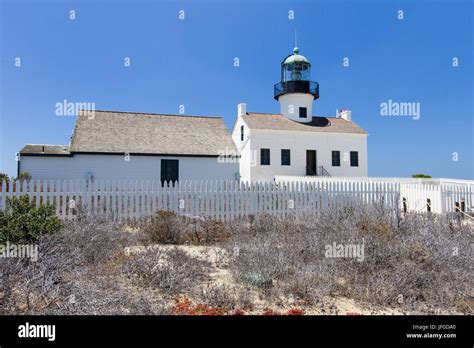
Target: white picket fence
pixel 226 200
pixel 439 195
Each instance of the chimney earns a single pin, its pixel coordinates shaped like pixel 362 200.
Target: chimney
pixel 241 109
pixel 345 114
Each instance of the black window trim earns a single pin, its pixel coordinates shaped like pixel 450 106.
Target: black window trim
pixel 262 157
pixel 289 157
pixel 338 158
pixel 356 158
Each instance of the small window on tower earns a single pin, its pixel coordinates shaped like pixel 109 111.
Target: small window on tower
pixel 303 112
pixel 241 133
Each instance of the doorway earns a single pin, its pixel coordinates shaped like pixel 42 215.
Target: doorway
pixel 169 171
pixel 311 162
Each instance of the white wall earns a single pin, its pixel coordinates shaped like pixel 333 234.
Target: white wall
pixel 115 167
pixel 239 122
pixel 290 104
pixel 248 160
pixel 298 143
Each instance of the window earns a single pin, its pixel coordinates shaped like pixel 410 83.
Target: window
pixel 265 157
pixel 241 133
pixel 336 158
pixel 303 112
pixel 354 159
pixel 169 171
pixel 285 157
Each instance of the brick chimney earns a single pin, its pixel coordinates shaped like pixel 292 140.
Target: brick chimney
pixel 241 109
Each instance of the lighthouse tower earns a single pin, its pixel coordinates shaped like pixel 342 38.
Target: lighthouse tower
pixel 296 92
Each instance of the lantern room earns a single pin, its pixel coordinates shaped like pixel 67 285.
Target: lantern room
pixel 296 76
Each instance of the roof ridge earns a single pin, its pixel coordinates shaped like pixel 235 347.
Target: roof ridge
pixel 262 113
pixel 268 113
pixel 150 113
pixel 47 144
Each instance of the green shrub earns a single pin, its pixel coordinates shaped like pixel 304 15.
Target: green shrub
pixel 22 222
pixel 24 176
pixel 421 176
pixel 5 177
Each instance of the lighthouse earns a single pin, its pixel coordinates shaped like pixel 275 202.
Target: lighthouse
pixel 296 92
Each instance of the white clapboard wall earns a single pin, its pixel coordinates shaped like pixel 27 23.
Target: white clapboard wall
pixel 226 200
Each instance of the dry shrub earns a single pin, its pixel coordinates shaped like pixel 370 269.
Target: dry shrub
pixel 172 271
pixel 164 227
pixel 33 286
pixel 225 297
pixel 94 239
pixel 208 232
pixel 381 229
pixel 420 263
pixel 69 277
pixel 167 227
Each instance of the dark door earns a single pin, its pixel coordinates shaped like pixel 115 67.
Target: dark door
pixel 310 162
pixel 169 171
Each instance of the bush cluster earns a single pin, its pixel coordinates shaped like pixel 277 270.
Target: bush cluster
pixel 166 227
pixel 23 223
pixel 416 263
pixel 172 272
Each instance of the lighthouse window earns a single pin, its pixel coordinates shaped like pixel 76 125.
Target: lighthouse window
pixel 285 157
pixel 354 159
pixel 336 158
pixel 241 133
pixel 303 112
pixel 265 157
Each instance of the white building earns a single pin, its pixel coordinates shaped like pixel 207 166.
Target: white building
pixel 122 146
pixel 294 142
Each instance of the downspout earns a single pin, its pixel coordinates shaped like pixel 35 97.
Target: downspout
pixel 18 165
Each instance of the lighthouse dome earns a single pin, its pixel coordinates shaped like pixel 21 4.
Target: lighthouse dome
pixel 296 58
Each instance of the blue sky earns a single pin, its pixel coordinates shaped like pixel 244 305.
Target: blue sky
pixel 190 62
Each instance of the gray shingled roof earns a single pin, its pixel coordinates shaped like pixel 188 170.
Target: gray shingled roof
pixel 127 132
pixel 45 149
pixel 318 124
